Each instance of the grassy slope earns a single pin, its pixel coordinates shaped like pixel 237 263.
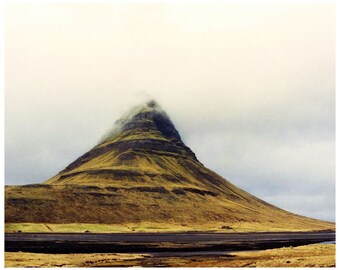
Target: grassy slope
pixel 128 210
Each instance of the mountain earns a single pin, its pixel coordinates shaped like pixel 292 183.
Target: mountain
pixel 142 175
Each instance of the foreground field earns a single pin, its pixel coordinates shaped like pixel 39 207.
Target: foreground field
pixel 319 255
pixel 144 227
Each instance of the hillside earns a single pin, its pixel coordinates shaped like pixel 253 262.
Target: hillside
pixel 141 175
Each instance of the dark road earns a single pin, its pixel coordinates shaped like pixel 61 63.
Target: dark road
pixel 157 242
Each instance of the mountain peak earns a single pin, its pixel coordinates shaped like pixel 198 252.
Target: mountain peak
pixel 145 118
pixel 145 131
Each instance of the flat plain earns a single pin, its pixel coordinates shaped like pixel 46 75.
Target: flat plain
pixel 316 255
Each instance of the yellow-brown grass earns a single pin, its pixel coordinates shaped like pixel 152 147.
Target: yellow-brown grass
pixel 319 255
pixel 128 210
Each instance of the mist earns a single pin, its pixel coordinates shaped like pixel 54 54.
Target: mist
pixel 128 116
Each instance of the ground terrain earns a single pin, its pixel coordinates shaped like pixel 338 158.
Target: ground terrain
pixel 74 208
pixel 317 255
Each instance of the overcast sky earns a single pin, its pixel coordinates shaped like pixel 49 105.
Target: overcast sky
pixel 251 89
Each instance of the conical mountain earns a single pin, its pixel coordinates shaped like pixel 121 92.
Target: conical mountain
pixel 142 173
pixel 143 147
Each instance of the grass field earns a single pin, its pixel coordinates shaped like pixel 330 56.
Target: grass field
pixel 95 228
pixel 137 227
pixel 319 255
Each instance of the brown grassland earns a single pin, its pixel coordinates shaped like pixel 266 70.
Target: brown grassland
pixel 318 255
pixel 102 208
